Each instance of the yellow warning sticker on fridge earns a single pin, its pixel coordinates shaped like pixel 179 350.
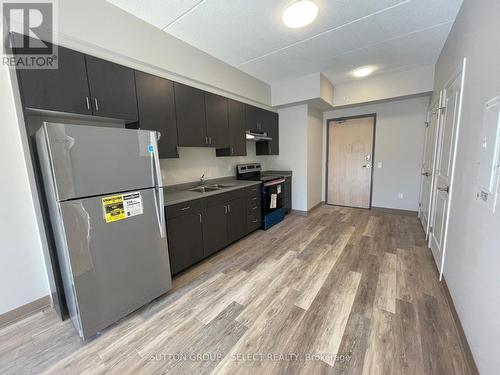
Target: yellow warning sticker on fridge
pixel 119 207
pixel 113 208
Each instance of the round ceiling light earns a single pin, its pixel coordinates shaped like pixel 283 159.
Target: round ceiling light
pixel 300 13
pixel 363 71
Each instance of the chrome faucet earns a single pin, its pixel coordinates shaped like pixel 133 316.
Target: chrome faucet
pixel 202 179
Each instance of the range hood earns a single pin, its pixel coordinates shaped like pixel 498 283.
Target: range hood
pixel 257 136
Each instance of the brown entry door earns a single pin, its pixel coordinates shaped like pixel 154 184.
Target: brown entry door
pixel 350 147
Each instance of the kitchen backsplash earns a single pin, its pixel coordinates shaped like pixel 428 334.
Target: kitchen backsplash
pixel 196 161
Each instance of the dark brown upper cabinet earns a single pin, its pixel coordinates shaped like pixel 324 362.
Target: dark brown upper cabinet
pixel 112 89
pixel 217 120
pixel 191 120
pixel 64 89
pixel 255 118
pixel 271 126
pixel 261 120
pixel 156 104
pixel 237 137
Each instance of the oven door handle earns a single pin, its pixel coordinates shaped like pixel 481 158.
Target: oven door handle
pixel 274 182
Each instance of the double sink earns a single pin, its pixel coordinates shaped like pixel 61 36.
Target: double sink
pixel 208 188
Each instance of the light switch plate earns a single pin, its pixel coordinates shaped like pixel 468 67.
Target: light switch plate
pixel 379 164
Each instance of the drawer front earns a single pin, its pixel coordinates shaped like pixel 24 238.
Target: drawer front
pixel 253 221
pixel 253 208
pixel 222 198
pixel 185 208
pixel 253 199
pixel 253 190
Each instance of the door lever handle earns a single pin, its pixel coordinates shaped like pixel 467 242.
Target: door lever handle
pixel 426 174
pixel 367 166
pixel 444 188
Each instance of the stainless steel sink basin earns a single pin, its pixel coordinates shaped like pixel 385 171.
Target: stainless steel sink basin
pixel 221 186
pixel 204 189
pixel 207 188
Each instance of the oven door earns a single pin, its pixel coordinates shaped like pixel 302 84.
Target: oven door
pixel 272 195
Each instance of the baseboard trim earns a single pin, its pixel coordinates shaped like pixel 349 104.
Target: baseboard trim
pixel 306 213
pixel 24 311
pixel 395 211
pixel 469 358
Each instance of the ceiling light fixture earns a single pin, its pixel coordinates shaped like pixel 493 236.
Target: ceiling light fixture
pixel 363 71
pixel 300 13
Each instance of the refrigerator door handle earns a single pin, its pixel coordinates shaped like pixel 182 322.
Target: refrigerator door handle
pixel 154 136
pixel 160 209
pixel 161 213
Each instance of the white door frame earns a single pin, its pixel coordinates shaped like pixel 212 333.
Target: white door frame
pixel 461 72
pixel 436 104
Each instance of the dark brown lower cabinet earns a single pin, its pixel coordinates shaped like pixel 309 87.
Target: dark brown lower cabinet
pixel 236 220
pixel 224 220
pixel 214 228
pixel 184 234
pixel 287 201
pixel 254 209
pixel 199 228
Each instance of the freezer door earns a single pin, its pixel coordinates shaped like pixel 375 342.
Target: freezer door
pixel 118 263
pixel 90 160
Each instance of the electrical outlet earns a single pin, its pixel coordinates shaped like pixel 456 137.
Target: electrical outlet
pixel 400 196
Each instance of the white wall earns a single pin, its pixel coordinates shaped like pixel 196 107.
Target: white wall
pixel 472 263
pixel 196 161
pixel 399 143
pixel 314 157
pixel 98 28
pixel 22 270
pixel 293 152
pixel 301 151
pixel 385 86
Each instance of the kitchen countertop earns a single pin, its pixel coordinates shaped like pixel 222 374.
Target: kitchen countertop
pixel 281 173
pixel 179 193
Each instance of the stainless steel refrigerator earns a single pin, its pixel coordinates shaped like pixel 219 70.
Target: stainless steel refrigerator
pixel 104 191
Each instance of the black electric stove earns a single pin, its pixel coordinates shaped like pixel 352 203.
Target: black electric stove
pixel 272 189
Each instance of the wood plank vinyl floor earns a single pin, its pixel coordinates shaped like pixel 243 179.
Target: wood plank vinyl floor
pixel 342 291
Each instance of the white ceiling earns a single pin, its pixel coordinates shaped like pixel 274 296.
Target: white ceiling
pixel 249 34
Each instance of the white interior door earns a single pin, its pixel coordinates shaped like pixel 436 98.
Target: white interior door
pixel 428 166
pixel 442 189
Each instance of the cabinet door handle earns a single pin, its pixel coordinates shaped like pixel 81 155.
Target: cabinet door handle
pixel 206 140
pixel 209 140
pixel 88 102
pixel 232 150
pixel 200 218
pixel 229 208
pixel 225 210
pixel 254 221
pixel 185 208
pixel 254 208
pixel 96 104
pixel 254 198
